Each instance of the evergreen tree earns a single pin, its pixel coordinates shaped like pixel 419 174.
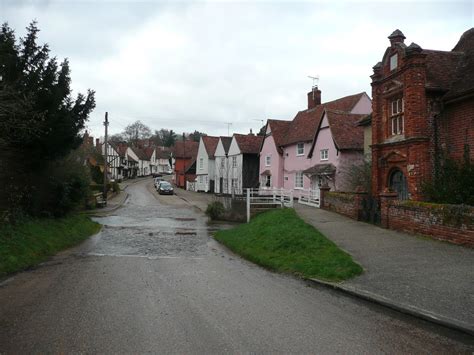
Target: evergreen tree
pixel 40 122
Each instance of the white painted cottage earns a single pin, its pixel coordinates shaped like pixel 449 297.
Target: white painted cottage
pixel 243 160
pixel 205 169
pixel 221 166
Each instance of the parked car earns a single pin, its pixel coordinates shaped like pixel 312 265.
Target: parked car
pixel 157 182
pixel 155 175
pixel 165 188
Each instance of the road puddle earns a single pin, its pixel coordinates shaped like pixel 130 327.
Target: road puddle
pixel 182 231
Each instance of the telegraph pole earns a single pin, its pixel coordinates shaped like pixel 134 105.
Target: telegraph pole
pixel 106 125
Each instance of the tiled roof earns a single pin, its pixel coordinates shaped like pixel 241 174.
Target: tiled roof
pixel 190 166
pixel 185 150
pixel 305 123
pixel 279 130
pixel 226 143
pixel 464 81
pixel 452 72
pixel 211 144
pixel 149 152
pixel 162 153
pixel 249 143
pixel 140 153
pixel 345 130
pixel 321 169
pixel 441 68
pixel 122 149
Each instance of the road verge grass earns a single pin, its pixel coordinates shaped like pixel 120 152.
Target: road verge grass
pixel 282 241
pixel 29 243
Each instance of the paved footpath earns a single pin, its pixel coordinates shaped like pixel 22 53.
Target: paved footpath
pixel 419 275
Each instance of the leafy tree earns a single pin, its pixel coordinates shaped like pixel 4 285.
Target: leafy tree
pixel 169 137
pixel 135 132
pixel 358 175
pixel 157 138
pixel 196 136
pixel 40 121
pixel 453 181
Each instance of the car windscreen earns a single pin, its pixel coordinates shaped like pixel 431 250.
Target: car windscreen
pixel 165 184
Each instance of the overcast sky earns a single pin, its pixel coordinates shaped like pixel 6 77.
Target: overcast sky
pixel 187 65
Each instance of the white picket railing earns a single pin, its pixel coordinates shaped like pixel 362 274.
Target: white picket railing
pixel 272 198
pixel 191 185
pixel 310 197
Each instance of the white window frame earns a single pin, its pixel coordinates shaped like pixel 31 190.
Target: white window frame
pixel 268 160
pixel 397 117
pixel 394 62
pixel 222 163
pixel 201 163
pixel 234 161
pixel 299 177
pixel 298 146
pixel 324 154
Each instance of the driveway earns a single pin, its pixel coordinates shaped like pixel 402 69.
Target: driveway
pixel 153 280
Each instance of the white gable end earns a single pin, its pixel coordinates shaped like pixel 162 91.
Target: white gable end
pixel 234 147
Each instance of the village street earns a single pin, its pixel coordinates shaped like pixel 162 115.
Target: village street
pixel 154 280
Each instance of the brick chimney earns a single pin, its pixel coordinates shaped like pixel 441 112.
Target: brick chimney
pixel 97 142
pixel 314 98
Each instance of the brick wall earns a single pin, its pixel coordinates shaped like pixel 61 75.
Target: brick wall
pixel 456 128
pixel 341 202
pixel 452 223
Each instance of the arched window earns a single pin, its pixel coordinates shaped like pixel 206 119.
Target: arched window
pixel 398 183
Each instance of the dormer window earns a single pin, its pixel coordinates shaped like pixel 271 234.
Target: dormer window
pixel 393 62
pixel 397 108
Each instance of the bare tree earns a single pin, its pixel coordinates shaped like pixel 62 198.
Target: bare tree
pixel 136 131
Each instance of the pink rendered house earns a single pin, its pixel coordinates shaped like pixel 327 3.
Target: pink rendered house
pixel 315 146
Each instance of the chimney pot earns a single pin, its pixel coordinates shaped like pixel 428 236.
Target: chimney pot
pixel 314 98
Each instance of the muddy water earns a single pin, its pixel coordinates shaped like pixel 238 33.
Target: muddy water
pixel 153 226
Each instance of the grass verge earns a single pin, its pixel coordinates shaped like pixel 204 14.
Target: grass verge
pixel 29 243
pixel 280 240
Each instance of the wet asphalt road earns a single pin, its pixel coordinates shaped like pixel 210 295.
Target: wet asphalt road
pixel 154 281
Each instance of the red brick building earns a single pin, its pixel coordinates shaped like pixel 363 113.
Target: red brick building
pixel 185 154
pixel 423 104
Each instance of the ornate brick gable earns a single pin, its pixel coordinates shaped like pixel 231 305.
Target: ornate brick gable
pixel 422 101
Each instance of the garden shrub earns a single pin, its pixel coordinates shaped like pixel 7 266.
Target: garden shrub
pixel 215 210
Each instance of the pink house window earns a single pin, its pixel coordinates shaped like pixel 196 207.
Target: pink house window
pixel 300 149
